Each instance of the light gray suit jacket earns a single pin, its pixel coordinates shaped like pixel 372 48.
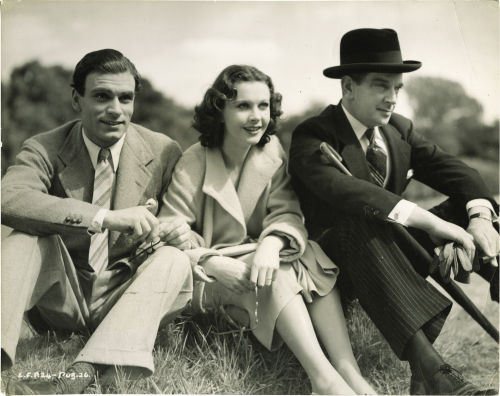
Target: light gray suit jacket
pixel 49 188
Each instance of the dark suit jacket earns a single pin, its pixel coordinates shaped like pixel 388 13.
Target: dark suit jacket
pixel 49 188
pixel 325 192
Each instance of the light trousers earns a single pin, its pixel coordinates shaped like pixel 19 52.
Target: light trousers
pixel 38 271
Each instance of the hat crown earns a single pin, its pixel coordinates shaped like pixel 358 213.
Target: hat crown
pixel 370 45
pixel 370 50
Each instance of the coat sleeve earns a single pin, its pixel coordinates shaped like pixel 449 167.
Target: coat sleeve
pixel 444 172
pixel 284 217
pixel 314 175
pixel 27 203
pixel 182 200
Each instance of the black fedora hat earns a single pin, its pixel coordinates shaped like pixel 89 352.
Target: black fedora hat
pixel 370 50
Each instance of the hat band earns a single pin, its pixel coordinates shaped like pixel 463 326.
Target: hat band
pixel 372 57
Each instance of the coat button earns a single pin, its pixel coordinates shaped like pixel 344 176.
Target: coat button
pixel 67 220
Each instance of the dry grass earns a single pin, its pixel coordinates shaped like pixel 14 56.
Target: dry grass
pixel 192 358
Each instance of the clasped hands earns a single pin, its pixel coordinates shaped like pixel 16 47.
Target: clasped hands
pixel 241 277
pixel 458 255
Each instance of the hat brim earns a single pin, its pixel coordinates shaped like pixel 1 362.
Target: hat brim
pixel 342 70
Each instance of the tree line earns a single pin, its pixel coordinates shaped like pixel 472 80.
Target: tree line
pixel 37 98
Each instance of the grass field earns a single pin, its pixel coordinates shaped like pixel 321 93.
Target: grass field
pixel 191 357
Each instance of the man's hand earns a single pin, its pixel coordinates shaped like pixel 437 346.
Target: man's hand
pixel 441 231
pixel 232 273
pixel 486 238
pixel 136 222
pixel 266 261
pixel 175 233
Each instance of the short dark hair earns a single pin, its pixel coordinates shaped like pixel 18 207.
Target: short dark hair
pixel 208 114
pixel 103 61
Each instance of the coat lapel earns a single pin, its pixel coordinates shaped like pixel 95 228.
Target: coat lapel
pixel 77 177
pixel 260 166
pixel 351 152
pixel 218 185
pixel 399 154
pixel 133 175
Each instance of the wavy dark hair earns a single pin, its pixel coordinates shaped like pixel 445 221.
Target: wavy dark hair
pixel 208 114
pixel 103 61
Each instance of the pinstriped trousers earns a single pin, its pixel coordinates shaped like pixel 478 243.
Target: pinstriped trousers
pixel 375 270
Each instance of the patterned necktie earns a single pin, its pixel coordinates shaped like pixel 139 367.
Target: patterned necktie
pixel 103 182
pixel 377 159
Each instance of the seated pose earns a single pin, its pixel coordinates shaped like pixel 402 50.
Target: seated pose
pixel 248 241
pixel 81 198
pixel 352 216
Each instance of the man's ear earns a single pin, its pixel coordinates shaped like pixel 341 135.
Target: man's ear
pixel 75 101
pixel 347 86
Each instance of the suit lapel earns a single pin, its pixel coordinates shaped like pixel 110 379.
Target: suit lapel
pixel 399 154
pixel 351 152
pixel 260 166
pixel 218 185
pixel 133 175
pixel 77 178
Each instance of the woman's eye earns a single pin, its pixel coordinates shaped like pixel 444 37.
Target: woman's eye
pixel 242 106
pixel 264 106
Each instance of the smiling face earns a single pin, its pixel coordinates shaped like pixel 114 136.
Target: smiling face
pixel 247 116
pixel 106 106
pixel 373 100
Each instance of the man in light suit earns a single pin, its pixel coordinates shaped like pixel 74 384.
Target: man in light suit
pixel 81 199
pixel 351 216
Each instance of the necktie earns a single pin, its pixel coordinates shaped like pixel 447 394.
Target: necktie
pixel 103 182
pixel 377 159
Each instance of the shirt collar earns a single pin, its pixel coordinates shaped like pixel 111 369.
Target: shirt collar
pixel 358 128
pixel 94 149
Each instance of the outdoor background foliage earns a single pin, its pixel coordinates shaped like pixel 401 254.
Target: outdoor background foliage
pixel 194 356
pixel 37 98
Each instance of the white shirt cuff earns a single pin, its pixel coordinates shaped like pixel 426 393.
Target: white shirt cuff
pixel 96 224
pixel 401 212
pixel 480 205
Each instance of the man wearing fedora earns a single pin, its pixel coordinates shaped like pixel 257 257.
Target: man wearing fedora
pixel 351 208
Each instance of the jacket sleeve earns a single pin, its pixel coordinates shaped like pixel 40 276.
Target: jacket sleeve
pixel 444 172
pixel 27 203
pixel 315 175
pixel 284 217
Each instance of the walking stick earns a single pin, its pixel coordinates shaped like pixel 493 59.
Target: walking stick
pixel 451 287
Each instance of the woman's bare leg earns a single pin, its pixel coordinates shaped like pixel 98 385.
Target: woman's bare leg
pixel 329 321
pixel 295 328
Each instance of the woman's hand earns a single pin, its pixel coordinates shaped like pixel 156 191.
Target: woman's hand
pixel 232 273
pixel 266 261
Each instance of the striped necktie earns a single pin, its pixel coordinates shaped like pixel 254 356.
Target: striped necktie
pixel 103 182
pixel 377 159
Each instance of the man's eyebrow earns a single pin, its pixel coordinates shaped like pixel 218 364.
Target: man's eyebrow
pixel 110 91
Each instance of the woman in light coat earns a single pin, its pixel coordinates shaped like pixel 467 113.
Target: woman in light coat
pixel 249 247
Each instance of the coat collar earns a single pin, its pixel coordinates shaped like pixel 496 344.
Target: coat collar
pixel 258 169
pixel 132 177
pixel 77 176
pixel 133 173
pixel 351 152
pixel 400 155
